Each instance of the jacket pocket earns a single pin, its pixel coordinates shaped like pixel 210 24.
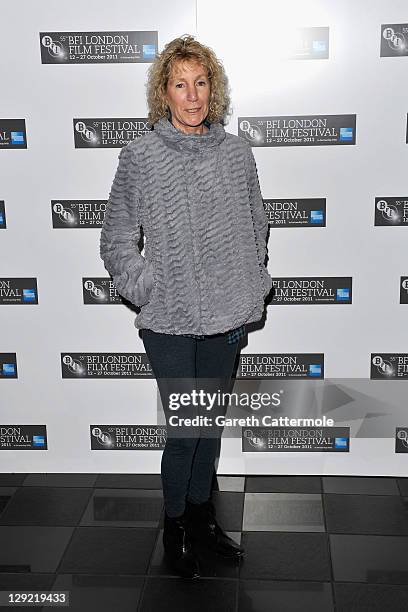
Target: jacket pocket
pixel 136 287
pixel 267 280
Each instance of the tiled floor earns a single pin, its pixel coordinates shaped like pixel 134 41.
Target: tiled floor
pixel 312 543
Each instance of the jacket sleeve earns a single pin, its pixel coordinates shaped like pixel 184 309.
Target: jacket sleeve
pixel 259 216
pixel 131 273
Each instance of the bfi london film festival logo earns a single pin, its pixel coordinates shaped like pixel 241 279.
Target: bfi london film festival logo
pixel 105 365
pixel 391 211
pixel 3 222
pixel 121 47
pixel 295 439
pixel 18 291
pixel 394 37
pixel 13 134
pixel 281 366
pixel 401 440
pixel 298 130
pixel 100 290
pixel 389 366
pixel 299 212
pixel 404 290
pixel 128 437
pixel 67 214
pixel 312 290
pixel 23 437
pixel 310 43
pixel 8 365
pixel 108 133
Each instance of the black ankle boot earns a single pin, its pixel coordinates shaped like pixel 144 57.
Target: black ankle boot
pixel 202 526
pixel 177 547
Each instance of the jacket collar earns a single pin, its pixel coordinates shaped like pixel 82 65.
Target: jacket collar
pixel 194 143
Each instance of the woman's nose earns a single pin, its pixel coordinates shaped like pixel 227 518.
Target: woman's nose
pixel 192 93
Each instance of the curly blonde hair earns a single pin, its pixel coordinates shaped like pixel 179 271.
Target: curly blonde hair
pixel 187 48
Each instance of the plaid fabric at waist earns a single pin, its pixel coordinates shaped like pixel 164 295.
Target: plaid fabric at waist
pixel 232 336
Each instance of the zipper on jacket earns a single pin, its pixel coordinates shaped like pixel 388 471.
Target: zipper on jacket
pixel 194 245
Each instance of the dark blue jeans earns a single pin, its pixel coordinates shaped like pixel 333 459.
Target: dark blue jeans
pixel 180 364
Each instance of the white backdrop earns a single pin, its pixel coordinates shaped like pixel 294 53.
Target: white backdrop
pixel 251 40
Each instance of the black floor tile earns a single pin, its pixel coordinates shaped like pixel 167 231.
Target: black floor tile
pixel 4 499
pixel 124 507
pixel 12 480
pixel 366 514
pixel 109 593
pixel 109 550
pixel 211 565
pixel 26 582
pixel 283 512
pixel 352 597
pixel 229 508
pixel 403 486
pixel 32 549
pixel 369 558
pixel 129 481
pixel 360 485
pixel 46 506
pixel 267 596
pixel 113 559
pixel 60 480
pixel 285 556
pixel 6 493
pixel 283 484
pixel 199 595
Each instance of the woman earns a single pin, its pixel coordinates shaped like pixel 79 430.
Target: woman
pixel 193 187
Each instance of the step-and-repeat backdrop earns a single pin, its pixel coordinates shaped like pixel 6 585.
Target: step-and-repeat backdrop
pixel 320 91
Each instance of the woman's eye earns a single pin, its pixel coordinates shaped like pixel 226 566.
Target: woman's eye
pixel 199 83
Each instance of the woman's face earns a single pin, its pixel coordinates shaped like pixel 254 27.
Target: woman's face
pixel 188 95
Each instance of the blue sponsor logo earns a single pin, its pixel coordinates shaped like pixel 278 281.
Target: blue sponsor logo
pixel 28 295
pixel 17 138
pixel 9 369
pixel 315 369
pixel 342 294
pixel 319 46
pixel 149 51
pixel 38 440
pixel 316 216
pixel 346 134
pixel 340 442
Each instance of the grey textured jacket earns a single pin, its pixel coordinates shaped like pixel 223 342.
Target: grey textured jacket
pixel 198 200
